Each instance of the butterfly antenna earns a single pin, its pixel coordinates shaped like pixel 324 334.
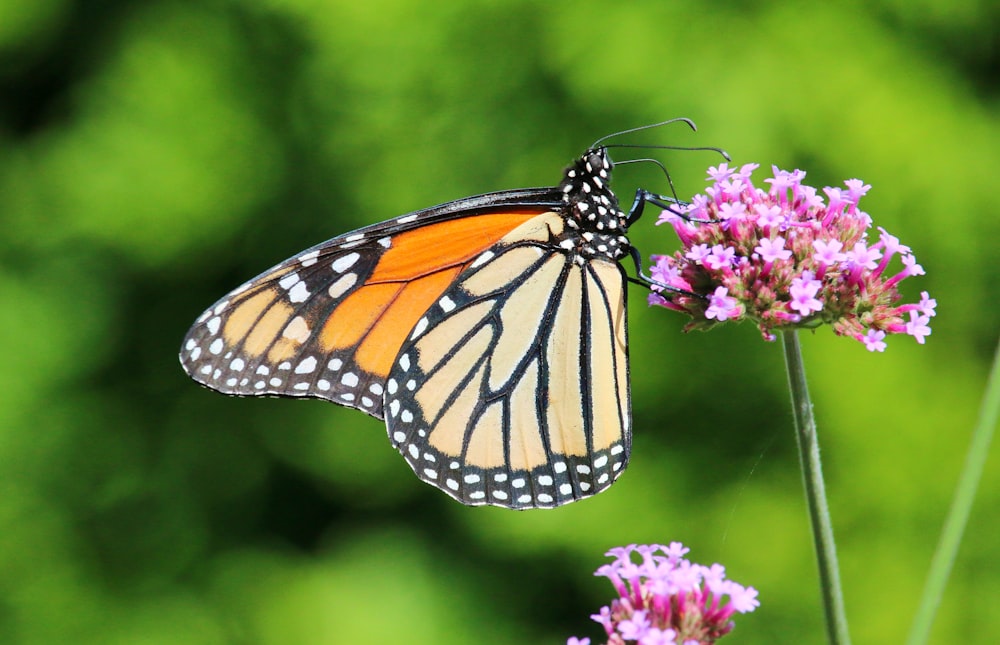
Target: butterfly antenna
pixel 681 119
pixel 666 173
pixel 670 182
pixel 646 146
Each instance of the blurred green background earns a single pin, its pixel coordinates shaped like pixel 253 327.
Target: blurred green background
pixel 155 154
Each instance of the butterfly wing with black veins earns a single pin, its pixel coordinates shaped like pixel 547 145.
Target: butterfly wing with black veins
pixel 490 333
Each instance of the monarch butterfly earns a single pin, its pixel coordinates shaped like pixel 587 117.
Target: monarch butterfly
pixel 489 333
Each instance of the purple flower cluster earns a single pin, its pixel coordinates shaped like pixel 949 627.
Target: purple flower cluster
pixel 667 600
pixel 786 258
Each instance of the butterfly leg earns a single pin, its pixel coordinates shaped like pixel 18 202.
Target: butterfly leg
pixel 643 197
pixel 666 202
pixel 648 282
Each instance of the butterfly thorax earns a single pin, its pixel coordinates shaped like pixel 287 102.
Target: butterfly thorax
pixel 595 224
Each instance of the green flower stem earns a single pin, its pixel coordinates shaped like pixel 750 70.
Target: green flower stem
pixel 812 476
pixel 961 505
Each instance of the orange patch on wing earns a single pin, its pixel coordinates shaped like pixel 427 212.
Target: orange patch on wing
pixel 379 348
pixel 352 319
pixel 409 278
pixel 435 246
pixel 378 318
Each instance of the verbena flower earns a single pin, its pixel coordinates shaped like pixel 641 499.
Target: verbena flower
pixel 665 599
pixel 786 258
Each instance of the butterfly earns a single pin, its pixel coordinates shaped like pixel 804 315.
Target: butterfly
pixel 489 333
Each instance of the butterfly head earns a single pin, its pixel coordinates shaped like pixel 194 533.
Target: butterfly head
pixel 592 207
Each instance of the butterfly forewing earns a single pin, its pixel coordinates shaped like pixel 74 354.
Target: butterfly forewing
pixel 513 389
pixel 328 323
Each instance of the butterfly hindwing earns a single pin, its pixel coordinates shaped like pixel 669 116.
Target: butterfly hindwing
pixel 512 390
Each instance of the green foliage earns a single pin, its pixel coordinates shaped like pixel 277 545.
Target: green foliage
pixel 153 155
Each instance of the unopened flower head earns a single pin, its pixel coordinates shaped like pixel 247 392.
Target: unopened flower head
pixel 664 599
pixel 786 258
